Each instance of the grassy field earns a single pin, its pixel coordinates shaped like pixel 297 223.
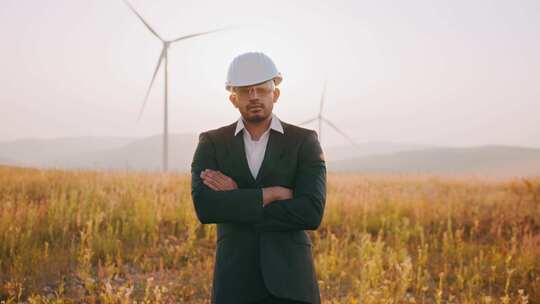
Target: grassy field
pixel 69 236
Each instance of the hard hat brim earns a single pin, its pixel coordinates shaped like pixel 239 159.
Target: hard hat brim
pixel 277 80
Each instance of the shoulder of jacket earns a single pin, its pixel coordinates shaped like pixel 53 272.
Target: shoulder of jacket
pixel 217 133
pixel 296 130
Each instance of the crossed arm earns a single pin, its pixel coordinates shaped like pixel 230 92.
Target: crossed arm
pixel 218 199
pixel 218 181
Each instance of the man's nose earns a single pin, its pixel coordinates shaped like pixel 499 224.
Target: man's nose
pixel 253 93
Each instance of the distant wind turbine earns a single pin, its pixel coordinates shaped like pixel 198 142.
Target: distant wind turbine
pixel 163 57
pixel 320 118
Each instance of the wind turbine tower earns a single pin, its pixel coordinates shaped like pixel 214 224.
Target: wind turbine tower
pixel 163 58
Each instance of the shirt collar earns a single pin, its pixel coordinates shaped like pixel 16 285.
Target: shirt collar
pixel 274 124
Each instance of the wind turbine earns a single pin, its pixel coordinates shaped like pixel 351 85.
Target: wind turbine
pixel 163 57
pixel 320 119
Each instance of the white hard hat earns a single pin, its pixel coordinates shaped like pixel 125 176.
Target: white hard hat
pixel 251 68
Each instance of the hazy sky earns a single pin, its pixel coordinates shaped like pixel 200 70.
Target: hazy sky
pixel 431 72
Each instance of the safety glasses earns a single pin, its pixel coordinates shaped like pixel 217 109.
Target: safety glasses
pixel 261 89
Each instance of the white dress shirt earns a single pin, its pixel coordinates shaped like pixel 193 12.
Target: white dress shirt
pixel 255 149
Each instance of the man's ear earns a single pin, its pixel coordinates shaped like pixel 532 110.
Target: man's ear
pixel 232 98
pixel 277 92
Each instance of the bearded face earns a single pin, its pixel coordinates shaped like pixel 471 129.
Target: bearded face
pixel 255 102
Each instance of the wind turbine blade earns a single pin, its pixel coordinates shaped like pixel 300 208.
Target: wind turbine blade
pixel 143 21
pixel 200 34
pixel 323 96
pixel 308 121
pixel 152 81
pixel 339 131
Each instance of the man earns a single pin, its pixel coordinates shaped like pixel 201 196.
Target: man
pixel 263 182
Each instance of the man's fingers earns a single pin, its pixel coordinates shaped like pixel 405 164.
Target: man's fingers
pixel 218 177
pixel 287 193
pixel 210 180
pixel 211 184
pixel 215 183
pixel 222 175
pixel 225 178
pixel 218 180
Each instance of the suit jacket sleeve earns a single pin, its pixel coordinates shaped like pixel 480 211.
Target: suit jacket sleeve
pixel 238 205
pixel 305 210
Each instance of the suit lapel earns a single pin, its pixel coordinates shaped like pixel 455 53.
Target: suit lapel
pixel 272 154
pixel 274 151
pixel 238 155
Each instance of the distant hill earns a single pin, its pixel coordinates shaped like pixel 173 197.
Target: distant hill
pixel 368 148
pixel 41 152
pixel 6 161
pixel 496 160
pixel 142 154
pixel 100 152
pixel 372 157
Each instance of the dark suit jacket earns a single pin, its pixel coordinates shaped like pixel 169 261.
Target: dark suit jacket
pixel 258 246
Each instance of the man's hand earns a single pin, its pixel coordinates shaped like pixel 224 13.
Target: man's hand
pixel 271 194
pixel 217 180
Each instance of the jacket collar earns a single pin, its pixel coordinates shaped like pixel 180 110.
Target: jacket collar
pixel 275 124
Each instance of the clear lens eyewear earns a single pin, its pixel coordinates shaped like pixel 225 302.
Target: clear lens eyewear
pixel 262 89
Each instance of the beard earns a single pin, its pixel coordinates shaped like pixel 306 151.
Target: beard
pixel 257 117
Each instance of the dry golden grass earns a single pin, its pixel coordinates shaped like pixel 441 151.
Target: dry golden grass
pixel 70 236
